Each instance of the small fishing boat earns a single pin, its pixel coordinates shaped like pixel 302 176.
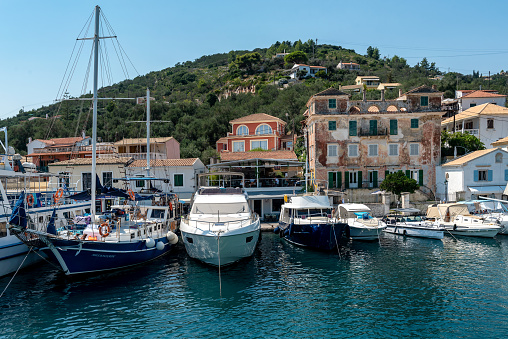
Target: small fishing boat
pixel 363 226
pixel 457 220
pixel 491 210
pixel 308 221
pixel 221 228
pixel 403 223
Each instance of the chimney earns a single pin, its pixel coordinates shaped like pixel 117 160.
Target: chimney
pixel 400 92
pixel 382 95
pixel 29 139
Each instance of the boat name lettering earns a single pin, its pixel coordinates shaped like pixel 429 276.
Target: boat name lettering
pixel 103 255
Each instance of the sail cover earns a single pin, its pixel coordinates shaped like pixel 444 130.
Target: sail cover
pixel 18 216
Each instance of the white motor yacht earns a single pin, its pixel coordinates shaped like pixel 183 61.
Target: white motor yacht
pixel 401 222
pixel 362 225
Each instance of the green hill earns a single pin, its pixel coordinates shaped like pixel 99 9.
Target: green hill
pixel 196 96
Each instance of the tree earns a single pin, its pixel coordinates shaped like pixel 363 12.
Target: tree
pixel 370 50
pixel 397 183
pixel 375 53
pixel 297 57
pixel 463 142
pixel 247 60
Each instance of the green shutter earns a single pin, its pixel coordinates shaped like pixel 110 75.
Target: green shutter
pixel 360 179
pixel 346 179
pixel 424 101
pixel 393 127
pixel 339 179
pixel 331 183
pixel 414 123
pixel 386 173
pixel 332 103
pixel 420 177
pixel 408 173
pixel 352 128
pixel 373 127
pixel 374 179
pixel 332 125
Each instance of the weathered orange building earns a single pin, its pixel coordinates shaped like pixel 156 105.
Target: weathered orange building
pixel 355 144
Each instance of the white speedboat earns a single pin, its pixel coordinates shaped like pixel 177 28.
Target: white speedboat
pixel 362 225
pixel 220 228
pixel 412 225
pixel 491 210
pixel 455 218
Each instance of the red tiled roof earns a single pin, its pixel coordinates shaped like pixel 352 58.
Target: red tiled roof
pixel 276 155
pixel 61 141
pixel 482 94
pixel 257 117
pixel 164 162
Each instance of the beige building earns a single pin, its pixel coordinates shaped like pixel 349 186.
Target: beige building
pixel 371 81
pixel 354 144
pixel 160 148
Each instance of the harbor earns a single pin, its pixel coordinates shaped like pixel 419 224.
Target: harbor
pixel 397 287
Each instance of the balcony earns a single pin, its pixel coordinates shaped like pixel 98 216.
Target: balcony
pixel 142 156
pixel 474 132
pixel 367 132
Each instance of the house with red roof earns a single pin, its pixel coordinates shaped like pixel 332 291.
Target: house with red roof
pixel 472 98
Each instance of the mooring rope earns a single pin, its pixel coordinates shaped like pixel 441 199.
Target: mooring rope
pixel 6 287
pixel 218 253
pixel 336 243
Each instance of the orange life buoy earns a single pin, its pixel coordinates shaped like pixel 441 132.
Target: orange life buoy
pixel 170 206
pixel 30 199
pixel 58 195
pixel 131 194
pixel 104 229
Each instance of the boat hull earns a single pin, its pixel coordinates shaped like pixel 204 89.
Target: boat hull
pixel 324 236
pixel 413 231
pixel 79 257
pixel 365 233
pixel 13 255
pixel 474 232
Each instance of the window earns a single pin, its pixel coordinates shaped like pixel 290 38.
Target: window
pixel 64 179
pixel 424 101
pixel 414 123
pixel 393 127
pixel 107 179
pixel 373 127
pixel 332 103
pixel 490 123
pixel 263 129
pixel 468 125
pixel 353 177
pixel 414 149
pixel 332 150
pixel 499 157
pixel 373 151
pixel 140 183
pixel 334 179
pixel 332 125
pixel 259 144
pixel 353 150
pixel 238 146
pixel 352 128
pixel 482 175
pixel 393 149
pixel 178 180
pixel 242 130
pixel 87 181
pixel 472 105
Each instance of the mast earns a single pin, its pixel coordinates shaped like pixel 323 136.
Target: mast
pixel 147 132
pixel 94 128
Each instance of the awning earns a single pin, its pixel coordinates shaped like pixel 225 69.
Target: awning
pixel 486 189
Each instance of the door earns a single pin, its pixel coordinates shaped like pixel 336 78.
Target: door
pixel 257 207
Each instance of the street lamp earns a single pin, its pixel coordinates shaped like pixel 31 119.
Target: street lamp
pixel 446 189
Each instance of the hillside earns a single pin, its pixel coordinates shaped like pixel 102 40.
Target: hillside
pixel 187 95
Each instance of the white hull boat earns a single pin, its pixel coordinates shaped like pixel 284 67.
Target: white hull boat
pixel 363 226
pixel 220 229
pixel 412 226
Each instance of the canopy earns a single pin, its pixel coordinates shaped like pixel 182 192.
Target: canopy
pixel 447 211
pixel 101 192
pixel 18 216
pixel 486 189
pixel 308 201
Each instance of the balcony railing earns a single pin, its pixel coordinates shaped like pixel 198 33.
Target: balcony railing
pixel 75 149
pixel 367 132
pixel 474 132
pixel 142 156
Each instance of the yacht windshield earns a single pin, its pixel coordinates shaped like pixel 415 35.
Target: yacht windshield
pixel 210 208
pixel 312 213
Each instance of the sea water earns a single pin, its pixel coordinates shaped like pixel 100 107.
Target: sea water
pixel 398 287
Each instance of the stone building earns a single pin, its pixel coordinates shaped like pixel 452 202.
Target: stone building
pixel 353 145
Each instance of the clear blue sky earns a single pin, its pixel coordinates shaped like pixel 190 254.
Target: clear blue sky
pixel 38 36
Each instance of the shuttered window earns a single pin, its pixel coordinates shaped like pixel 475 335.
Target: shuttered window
pixel 393 127
pixel 332 125
pixel 424 101
pixel 414 123
pixel 178 180
pixel 352 128
pixel 373 127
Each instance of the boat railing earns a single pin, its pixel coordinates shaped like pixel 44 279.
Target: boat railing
pixel 206 225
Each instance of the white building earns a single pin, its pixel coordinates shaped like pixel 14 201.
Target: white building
pixel 306 70
pixel 179 174
pixel 352 66
pixel 480 173
pixel 471 98
pixel 487 122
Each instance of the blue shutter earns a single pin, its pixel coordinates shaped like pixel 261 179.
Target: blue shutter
pixel 476 175
pixel 489 175
pixel 506 174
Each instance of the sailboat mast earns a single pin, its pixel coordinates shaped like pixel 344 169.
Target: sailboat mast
pixel 147 132
pixel 94 124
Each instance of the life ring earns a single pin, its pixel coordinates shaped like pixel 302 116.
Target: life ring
pixel 104 229
pixel 30 199
pixel 58 195
pixel 131 194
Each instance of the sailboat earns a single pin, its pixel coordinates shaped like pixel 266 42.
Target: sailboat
pixel 122 237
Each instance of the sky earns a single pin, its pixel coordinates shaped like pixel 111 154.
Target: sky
pixel 38 37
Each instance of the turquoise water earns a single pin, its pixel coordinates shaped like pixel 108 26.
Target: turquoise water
pixel 401 287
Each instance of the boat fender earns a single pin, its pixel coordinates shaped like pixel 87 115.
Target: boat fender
pixel 172 238
pixel 454 227
pixel 150 242
pixel 276 230
pixel 160 245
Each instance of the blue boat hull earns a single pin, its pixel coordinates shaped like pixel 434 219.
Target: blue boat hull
pixel 317 236
pixel 97 256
